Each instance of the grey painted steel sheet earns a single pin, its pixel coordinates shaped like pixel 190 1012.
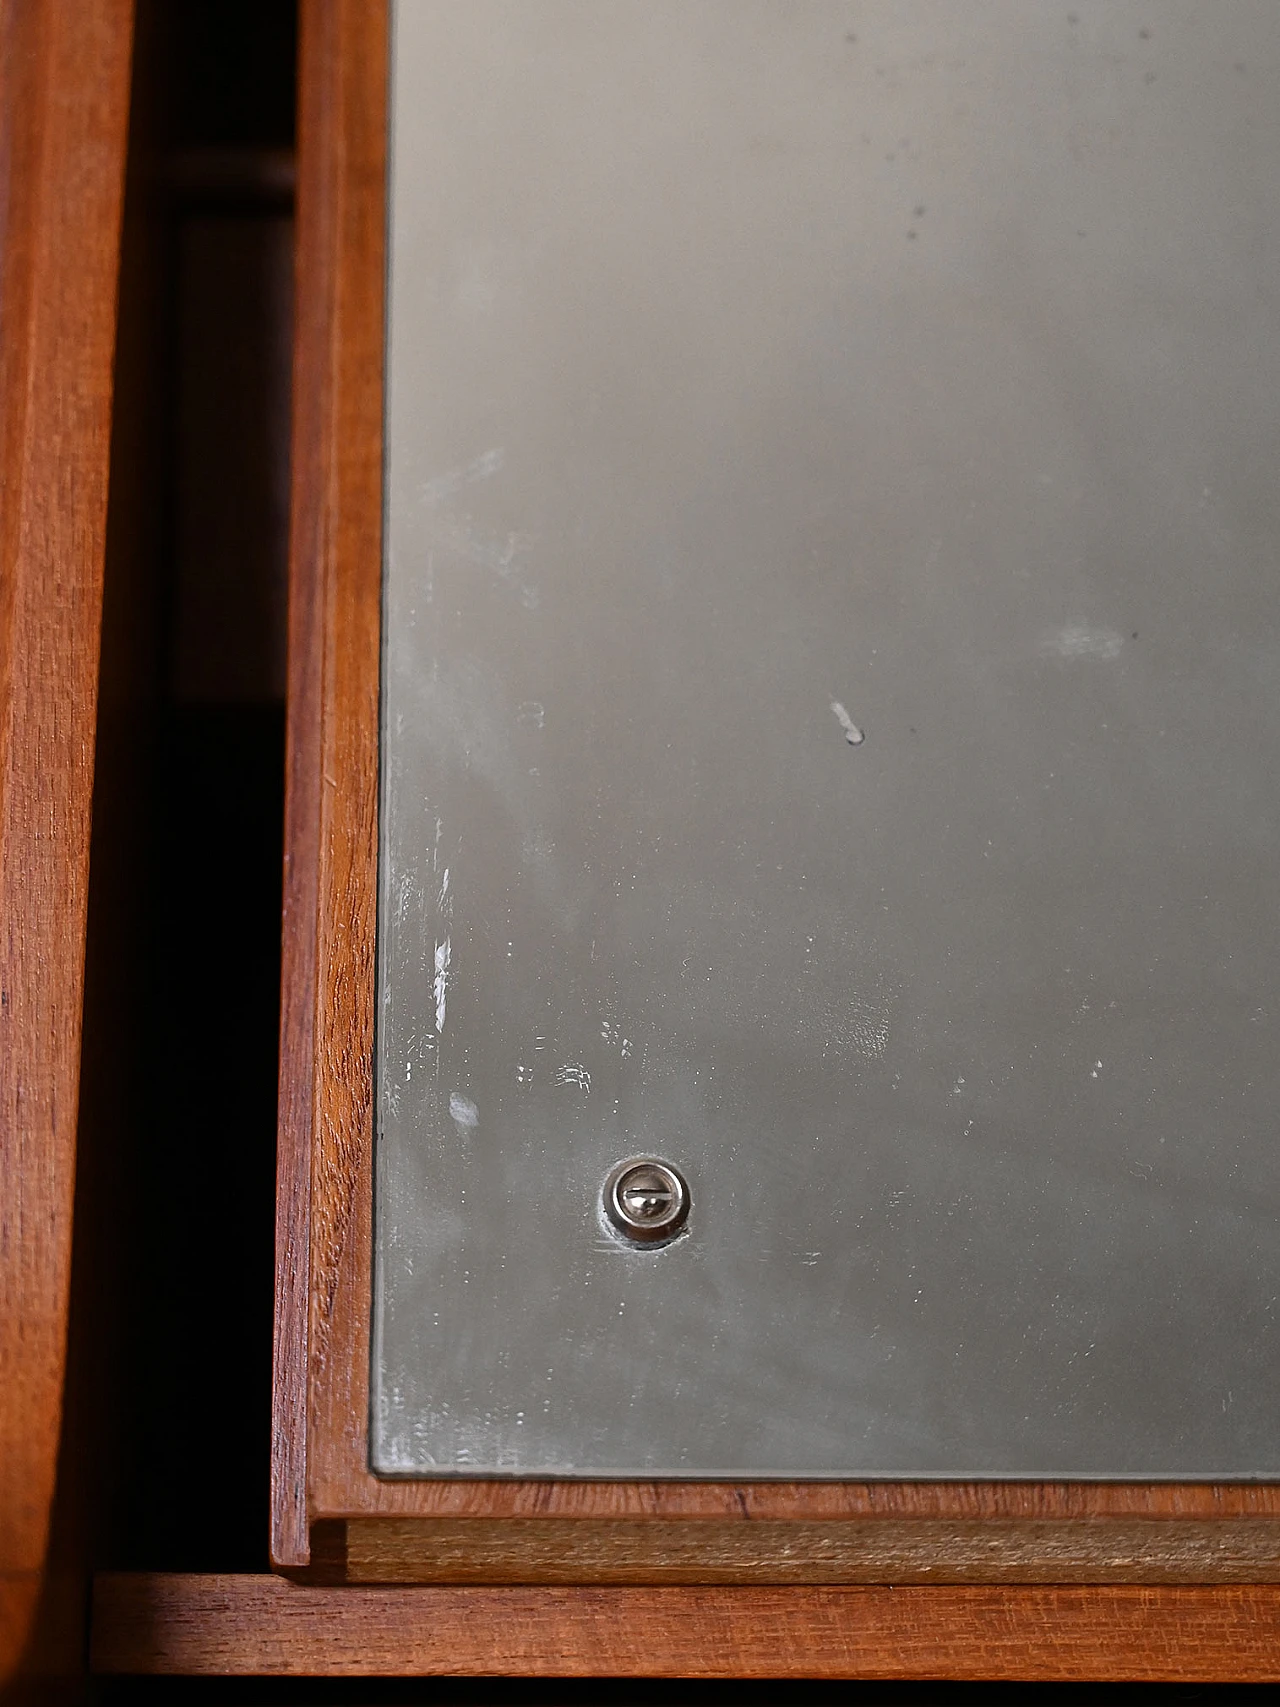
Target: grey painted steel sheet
pixel 762 377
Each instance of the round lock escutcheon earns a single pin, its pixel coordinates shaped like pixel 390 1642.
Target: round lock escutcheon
pixel 646 1200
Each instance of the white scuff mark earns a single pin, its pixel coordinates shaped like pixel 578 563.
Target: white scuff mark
pixel 531 714
pixel 443 901
pixel 537 849
pixel 1097 1068
pixel 447 485
pixel 463 1111
pixel 869 1036
pixel 574 1074
pixel 612 1034
pixel 440 984
pixel 1078 640
pixel 407 897
pixel 850 1026
pixel 502 557
pixel 852 734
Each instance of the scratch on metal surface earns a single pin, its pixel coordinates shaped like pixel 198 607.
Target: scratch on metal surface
pixel 575 1074
pixel 441 982
pixel 463 1111
pixel 852 734
pixel 1077 640
pixel 483 467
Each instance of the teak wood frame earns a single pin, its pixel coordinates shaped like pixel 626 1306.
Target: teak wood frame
pixel 64 108
pixel 332 1519
pixel 262 1627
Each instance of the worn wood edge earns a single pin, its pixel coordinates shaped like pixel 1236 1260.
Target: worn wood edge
pixel 265 1626
pixel 458 1498
pixel 64 108
pixel 876 1550
pixel 326 1212
pixel 315 254
pixel 341 1224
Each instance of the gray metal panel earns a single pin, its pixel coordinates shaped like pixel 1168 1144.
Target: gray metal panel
pixel 758 368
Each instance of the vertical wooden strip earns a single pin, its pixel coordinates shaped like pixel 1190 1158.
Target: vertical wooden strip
pixel 331 802
pixel 288 1538
pixel 346 949
pixel 64 96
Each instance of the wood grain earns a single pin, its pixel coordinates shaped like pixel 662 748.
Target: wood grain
pixel 263 1626
pixel 313 346
pixel 64 101
pixel 326 1136
pixel 461 1498
pixel 875 1550
pixel 324 1199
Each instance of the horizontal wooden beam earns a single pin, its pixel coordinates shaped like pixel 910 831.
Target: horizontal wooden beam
pixel 266 1626
pixel 513 1550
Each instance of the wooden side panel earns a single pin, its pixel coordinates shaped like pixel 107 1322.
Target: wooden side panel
pixel 64 101
pixel 265 1627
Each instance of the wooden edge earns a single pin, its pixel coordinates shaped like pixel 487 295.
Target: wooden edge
pixel 869 1550
pixel 326 1140
pixel 309 485
pixel 64 108
pixel 263 1626
pixel 331 745
pixel 341 1220
pixel 459 1499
